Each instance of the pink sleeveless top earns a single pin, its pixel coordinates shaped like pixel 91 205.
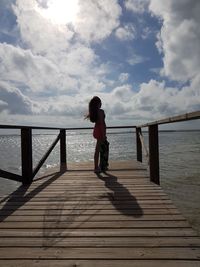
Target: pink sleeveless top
pixel 98 132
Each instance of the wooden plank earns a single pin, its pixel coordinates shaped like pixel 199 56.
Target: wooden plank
pixel 88 193
pixel 85 201
pixel 77 211
pixel 93 206
pixel 104 189
pixel 48 217
pixel 181 253
pixel 133 232
pixel 49 191
pixel 93 224
pixel 99 263
pixel 100 198
pixel 99 242
pixel 83 220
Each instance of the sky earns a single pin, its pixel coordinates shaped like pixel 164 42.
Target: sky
pixel 141 57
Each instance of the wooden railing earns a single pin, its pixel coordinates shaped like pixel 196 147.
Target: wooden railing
pixel 28 173
pixel 153 153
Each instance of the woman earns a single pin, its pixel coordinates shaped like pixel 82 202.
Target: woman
pixel 97 116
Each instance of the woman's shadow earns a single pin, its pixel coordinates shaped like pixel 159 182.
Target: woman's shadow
pixel 120 197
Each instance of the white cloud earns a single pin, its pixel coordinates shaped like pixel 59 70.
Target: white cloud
pixel 136 59
pixel 161 101
pixel 137 6
pixel 38 33
pixel 54 71
pixel 123 93
pixel 154 100
pixel 3 105
pixel 34 72
pixel 50 62
pixel 63 64
pixel 97 19
pixel 146 32
pixel 127 32
pixel 179 38
pixel 13 101
pixel 123 77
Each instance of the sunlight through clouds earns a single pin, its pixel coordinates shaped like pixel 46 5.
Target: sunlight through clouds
pixel 59 11
pixel 142 57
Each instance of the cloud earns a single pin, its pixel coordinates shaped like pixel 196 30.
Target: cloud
pixel 62 62
pixel 34 72
pixel 97 19
pixel 3 105
pixel 153 100
pixel 147 32
pixel 13 101
pixel 127 32
pixel 163 101
pixel 123 77
pixel 179 38
pixel 51 71
pixel 136 59
pixel 137 6
pixel 69 106
pixel 38 33
pixel 48 62
pixel 123 93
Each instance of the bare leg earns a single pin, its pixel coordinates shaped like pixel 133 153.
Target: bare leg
pixel 96 155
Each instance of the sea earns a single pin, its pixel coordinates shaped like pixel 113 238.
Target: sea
pixel 179 153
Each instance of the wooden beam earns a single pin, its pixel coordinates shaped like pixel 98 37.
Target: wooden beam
pixel 154 154
pixel 138 144
pixel 63 158
pixel 26 155
pixel 184 117
pixel 10 176
pixel 45 156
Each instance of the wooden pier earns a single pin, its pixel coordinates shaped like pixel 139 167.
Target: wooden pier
pixel 77 218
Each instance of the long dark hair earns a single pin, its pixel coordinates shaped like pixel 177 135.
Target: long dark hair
pixel 94 105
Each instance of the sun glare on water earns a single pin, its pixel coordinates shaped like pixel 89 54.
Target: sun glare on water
pixel 60 11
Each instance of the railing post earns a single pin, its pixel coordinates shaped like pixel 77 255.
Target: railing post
pixel 138 144
pixel 63 158
pixel 154 154
pixel 26 155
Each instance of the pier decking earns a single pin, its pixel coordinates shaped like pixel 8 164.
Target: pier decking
pixel 76 218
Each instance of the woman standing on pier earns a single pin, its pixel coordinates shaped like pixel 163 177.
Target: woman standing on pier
pixel 97 116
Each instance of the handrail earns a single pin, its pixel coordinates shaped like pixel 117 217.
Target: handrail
pixel 26 156
pixel 154 142
pixel 184 117
pixel 26 146
pixel 5 126
pixel 26 150
pixel 2 126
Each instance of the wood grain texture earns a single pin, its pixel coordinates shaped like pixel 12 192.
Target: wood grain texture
pixel 76 218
